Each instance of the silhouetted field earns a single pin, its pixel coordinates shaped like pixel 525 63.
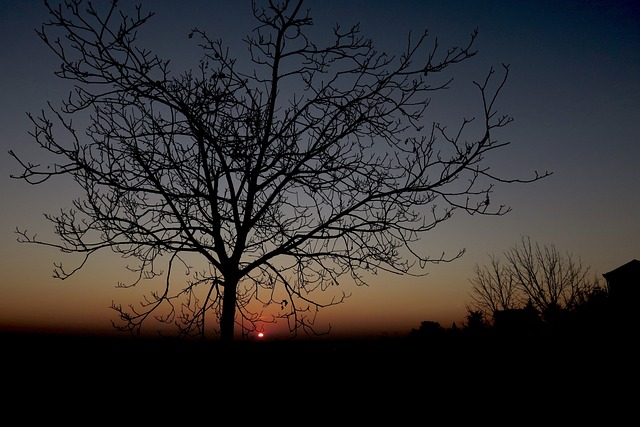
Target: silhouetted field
pixel 47 354
pixel 528 378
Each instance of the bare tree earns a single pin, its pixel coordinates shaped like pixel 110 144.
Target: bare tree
pixel 532 273
pixel 313 165
pixel 493 288
pixel 550 279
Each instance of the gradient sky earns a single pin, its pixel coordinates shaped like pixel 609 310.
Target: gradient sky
pixel 574 92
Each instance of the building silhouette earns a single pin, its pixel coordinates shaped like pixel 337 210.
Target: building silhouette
pixel 623 287
pixel 623 283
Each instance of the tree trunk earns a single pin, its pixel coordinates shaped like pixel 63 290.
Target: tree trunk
pixel 227 318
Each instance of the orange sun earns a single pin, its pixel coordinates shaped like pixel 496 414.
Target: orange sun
pixel 260 335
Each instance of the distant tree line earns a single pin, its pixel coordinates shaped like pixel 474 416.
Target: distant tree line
pixel 534 291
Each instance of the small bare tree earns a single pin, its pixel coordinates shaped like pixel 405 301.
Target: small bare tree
pixel 532 273
pixel 494 288
pixel 314 164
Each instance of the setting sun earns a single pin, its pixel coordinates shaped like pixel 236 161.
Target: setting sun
pixel 260 335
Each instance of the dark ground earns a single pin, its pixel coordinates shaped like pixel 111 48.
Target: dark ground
pixel 564 378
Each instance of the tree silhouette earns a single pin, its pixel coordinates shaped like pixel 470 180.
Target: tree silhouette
pixel 550 281
pixel 314 164
pixel 494 288
pixel 475 323
pixel 429 329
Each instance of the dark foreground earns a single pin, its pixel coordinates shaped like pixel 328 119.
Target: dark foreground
pixel 564 378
